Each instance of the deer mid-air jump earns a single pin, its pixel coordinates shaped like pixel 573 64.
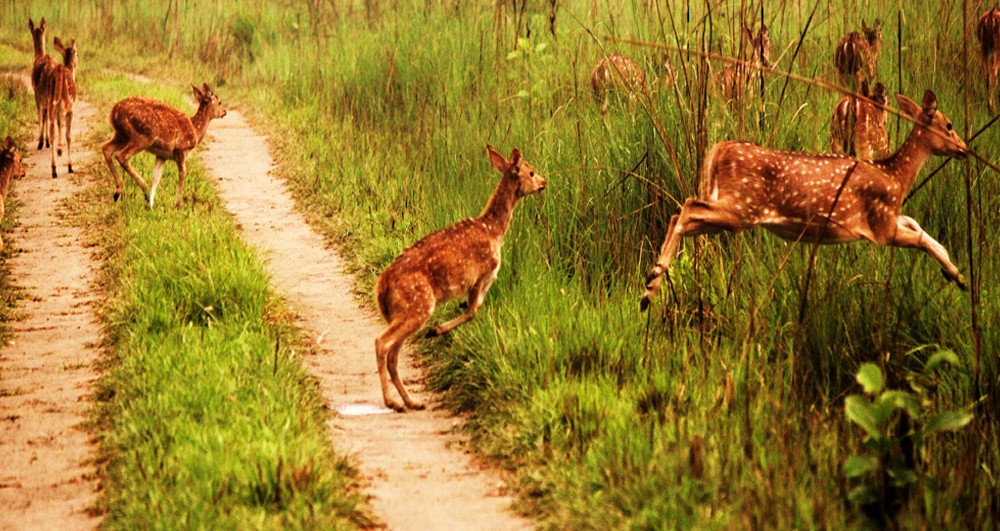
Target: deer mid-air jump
pixel 858 125
pixel 988 33
pixel 857 53
pixel 142 124
pixel 816 198
pixel 10 168
pixel 460 260
pixel 63 99
pixel 42 81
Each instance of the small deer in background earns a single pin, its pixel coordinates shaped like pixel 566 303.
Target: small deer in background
pixel 734 78
pixel 816 198
pixel 858 125
pixel 63 99
pixel 460 260
pixel 42 81
pixel 10 168
pixel 616 72
pixel 988 33
pixel 857 54
pixel 142 124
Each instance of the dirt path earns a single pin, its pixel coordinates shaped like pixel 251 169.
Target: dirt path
pixel 47 474
pixel 418 475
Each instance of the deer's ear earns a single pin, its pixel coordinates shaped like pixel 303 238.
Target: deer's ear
pixel 42 25
pixel 515 157
pixel 8 145
pixel 31 24
pixel 930 103
pixel 908 106
pixel 59 45
pixel 499 163
pixel 207 89
pixel 197 94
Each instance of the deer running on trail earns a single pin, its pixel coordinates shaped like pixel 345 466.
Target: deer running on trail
pixel 858 125
pixel 816 198
pixel 10 168
pixel 63 99
pixel 42 81
pixel 142 124
pixel 616 72
pixel 988 33
pixel 857 53
pixel 460 260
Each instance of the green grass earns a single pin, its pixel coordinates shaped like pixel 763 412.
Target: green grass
pixel 722 407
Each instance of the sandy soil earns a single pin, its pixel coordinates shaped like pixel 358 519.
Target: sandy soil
pixel 47 471
pixel 417 473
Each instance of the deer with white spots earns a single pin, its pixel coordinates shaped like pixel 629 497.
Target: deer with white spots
pixel 988 33
pixel 460 260
pixel 142 124
pixel 816 198
pixel 858 125
pixel 734 78
pixel 10 169
pixel 42 81
pixel 616 72
pixel 857 53
pixel 63 99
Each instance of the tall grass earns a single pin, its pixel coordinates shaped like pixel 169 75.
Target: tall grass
pixel 723 407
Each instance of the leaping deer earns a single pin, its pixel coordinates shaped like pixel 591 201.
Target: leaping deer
pixel 820 198
pixel 460 260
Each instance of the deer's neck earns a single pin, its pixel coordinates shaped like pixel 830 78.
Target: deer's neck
pixel 39 49
pixel 500 207
pixel 905 164
pixel 200 121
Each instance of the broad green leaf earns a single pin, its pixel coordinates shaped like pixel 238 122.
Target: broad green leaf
pixel 941 357
pixel 859 465
pixel 541 47
pixel 948 420
pixel 859 411
pixel 870 378
pixel 522 93
pixel 513 55
pixel 905 401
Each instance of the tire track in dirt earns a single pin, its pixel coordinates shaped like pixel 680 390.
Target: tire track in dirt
pixel 415 468
pixel 47 471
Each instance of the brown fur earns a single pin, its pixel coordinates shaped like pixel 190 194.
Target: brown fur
pixel 142 124
pixel 10 168
pixel 616 72
pixel 857 54
pixel 988 33
pixel 795 195
pixel 734 79
pixel 858 125
pixel 42 81
pixel 460 260
pixel 63 99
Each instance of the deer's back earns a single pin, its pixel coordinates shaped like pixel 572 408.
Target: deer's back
pixel 851 53
pixel 42 73
pixel 64 85
pixel 616 70
pixel 163 126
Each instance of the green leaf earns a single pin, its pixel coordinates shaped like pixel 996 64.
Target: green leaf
pixel 862 494
pixel 541 47
pixel 522 93
pixel 513 55
pixel 523 43
pixel 948 420
pixel 870 378
pixel 859 411
pixel 905 401
pixel 941 357
pixel 859 465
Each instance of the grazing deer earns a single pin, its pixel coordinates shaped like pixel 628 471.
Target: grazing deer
pixel 857 53
pixel 734 78
pixel 42 81
pixel 616 71
pixel 460 260
pixel 821 198
pixel 858 125
pixel 10 168
pixel 988 33
pixel 63 99
pixel 142 124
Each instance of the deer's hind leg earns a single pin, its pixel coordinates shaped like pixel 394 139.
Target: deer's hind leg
pixel 387 347
pixel 125 155
pixel 108 150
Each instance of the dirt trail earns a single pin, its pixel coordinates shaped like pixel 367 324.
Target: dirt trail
pixel 47 472
pixel 418 475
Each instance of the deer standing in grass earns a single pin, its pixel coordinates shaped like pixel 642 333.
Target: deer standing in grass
pixel 616 72
pixel 734 78
pixel 42 81
pixel 816 198
pixel 142 124
pixel 988 33
pixel 460 260
pixel 857 53
pixel 10 168
pixel 63 99
pixel 858 125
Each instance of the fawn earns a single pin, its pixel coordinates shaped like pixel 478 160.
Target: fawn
pixel 616 71
pixel 142 124
pixel 858 125
pixel 63 99
pixel 734 78
pixel 822 198
pixel 42 81
pixel 460 260
pixel 857 53
pixel 988 33
pixel 10 168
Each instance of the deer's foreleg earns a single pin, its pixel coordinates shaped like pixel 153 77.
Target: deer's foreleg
pixel 157 174
pixel 69 140
pixel 476 297
pixel 910 234
pixel 181 174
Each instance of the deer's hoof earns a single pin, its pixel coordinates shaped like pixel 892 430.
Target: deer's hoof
pixel 398 408
pixel 59 152
pixel 644 303
pixel 70 169
pixel 433 332
pixel 117 195
pixel 415 406
pixel 54 174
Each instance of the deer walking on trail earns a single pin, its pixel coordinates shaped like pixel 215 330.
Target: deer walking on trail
pixel 10 168
pixel 460 260
pixel 816 198
pixel 63 99
pixel 858 125
pixel 857 53
pixel 42 81
pixel 615 72
pixel 988 33
pixel 142 124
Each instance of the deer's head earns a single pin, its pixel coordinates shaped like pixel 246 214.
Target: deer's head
pixel 528 180
pixel 207 99
pixel 938 129
pixel 10 152
pixel 68 52
pixel 873 34
pixel 37 32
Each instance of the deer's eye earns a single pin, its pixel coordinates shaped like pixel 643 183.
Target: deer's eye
pixel 532 174
pixel 948 127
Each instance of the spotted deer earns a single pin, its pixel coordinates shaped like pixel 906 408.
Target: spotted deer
pixel 988 33
pixel 816 198
pixel 616 72
pixel 10 168
pixel 858 125
pixel 142 124
pixel 733 80
pixel 857 54
pixel 42 81
pixel 63 99
pixel 460 260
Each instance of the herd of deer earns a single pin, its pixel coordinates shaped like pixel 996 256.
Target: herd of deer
pixel 853 194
